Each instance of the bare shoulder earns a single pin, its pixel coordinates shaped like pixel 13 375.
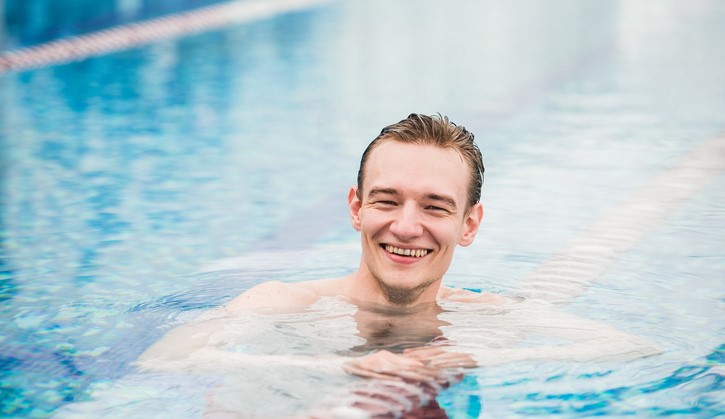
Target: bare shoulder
pixel 325 287
pixel 276 295
pixel 466 296
pixel 273 295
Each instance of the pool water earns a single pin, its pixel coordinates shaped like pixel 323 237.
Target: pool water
pixel 144 186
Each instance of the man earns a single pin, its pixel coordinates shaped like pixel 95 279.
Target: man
pixel 417 198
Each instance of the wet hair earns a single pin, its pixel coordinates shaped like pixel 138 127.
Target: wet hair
pixel 438 131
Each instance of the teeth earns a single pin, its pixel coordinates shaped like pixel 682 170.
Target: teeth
pixel 416 253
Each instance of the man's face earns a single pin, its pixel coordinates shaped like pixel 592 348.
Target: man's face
pixel 411 214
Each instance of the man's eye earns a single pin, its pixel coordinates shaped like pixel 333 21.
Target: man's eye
pixel 387 202
pixel 437 209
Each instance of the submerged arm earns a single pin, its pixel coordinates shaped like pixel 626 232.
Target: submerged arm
pixel 566 337
pixel 200 345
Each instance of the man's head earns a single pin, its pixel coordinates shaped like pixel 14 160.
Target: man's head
pixel 437 131
pixel 416 201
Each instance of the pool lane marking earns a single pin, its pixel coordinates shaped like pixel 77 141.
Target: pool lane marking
pixel 131 35
pixel 567 274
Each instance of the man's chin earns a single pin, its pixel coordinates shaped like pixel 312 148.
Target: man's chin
pixel 401 294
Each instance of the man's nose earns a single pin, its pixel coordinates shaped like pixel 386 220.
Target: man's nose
pixel 407 223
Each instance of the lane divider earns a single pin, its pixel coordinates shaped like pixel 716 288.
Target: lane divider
pixel 132 35
pixel 568 273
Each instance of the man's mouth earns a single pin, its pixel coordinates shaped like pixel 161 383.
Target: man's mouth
pixel 413 253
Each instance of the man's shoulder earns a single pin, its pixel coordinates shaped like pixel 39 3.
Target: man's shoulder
pixel 275 295
pixel 466 296
pixel 272 295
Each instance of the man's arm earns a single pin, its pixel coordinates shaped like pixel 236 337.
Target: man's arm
pixel 589 340
pixel 578 339
pixel 192 347
pixel 194 339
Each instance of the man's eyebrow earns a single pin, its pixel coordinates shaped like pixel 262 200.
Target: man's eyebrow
pixel 447 200
pixel 382 191
pixel 443 198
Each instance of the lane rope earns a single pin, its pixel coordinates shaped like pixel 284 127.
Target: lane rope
pixel 568 273
pixel 131 35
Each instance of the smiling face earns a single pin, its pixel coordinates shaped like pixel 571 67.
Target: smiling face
pixel 411 213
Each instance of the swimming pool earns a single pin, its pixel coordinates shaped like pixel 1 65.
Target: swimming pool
pixel 145 185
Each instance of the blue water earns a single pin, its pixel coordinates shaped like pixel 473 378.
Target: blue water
pixel 35 21
pixel 141 187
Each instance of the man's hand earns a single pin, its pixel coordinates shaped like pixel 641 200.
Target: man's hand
pixel 386 365
pixel 437 357
pixel 408 383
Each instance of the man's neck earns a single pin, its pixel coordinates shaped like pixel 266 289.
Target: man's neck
pixel 363 287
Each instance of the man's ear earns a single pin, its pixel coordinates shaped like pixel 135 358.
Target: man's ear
pixel 471 224
pixel 354 203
